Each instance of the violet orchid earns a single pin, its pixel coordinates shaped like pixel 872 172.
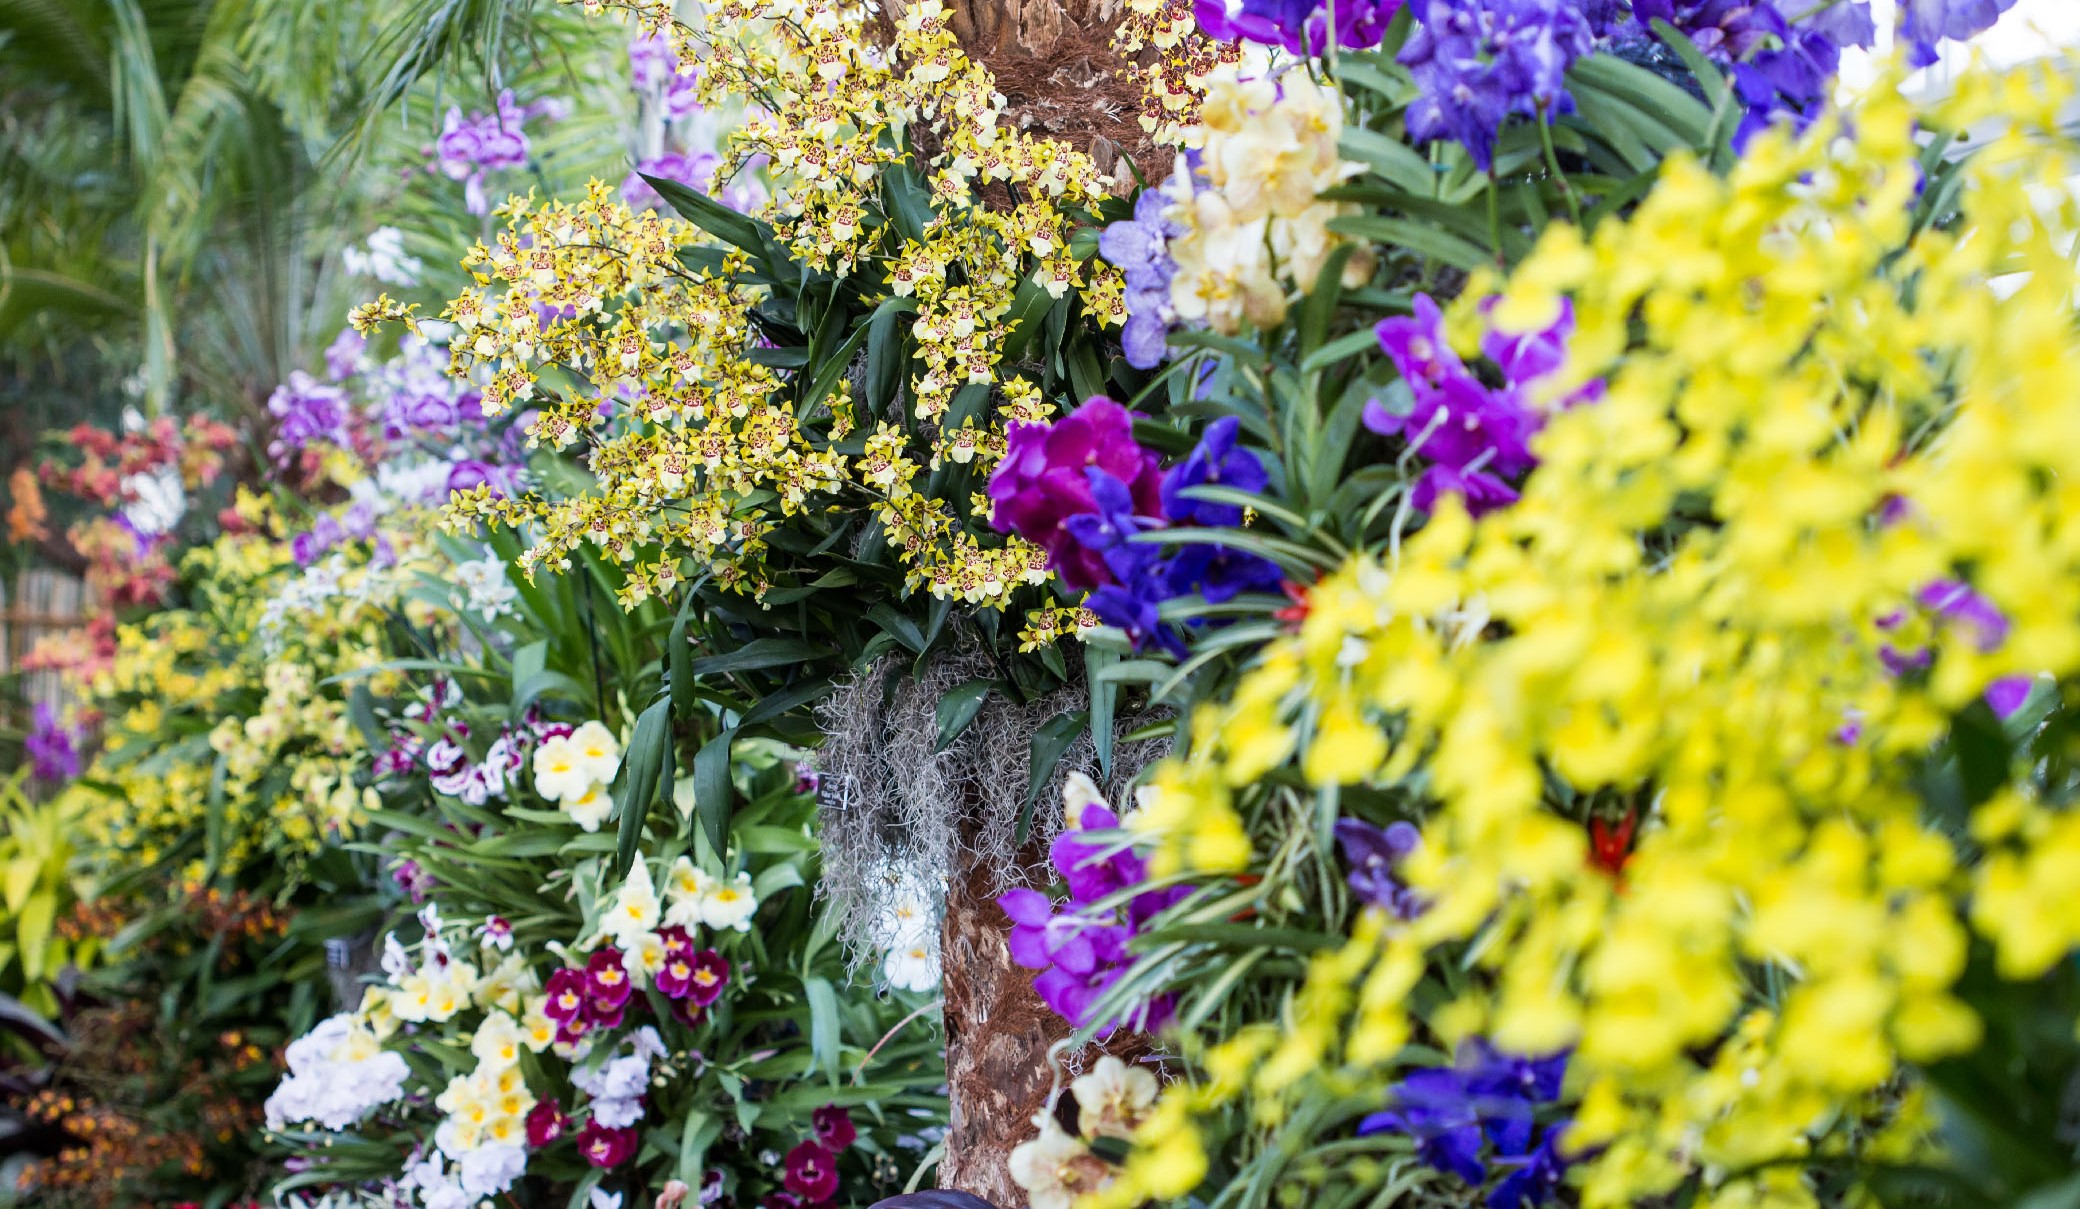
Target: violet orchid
pixel 1476 438
pixel 1477 63
pixel 1373 853
pixel 1139 248
pixel 1081 951
pixel 51 746
pixel 1480 1116
pixel 1301 26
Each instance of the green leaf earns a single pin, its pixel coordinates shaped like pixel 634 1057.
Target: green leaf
pixel 885 354
pixel 361 710
pixel 1683 116
pixel 834 368
pixel 756 654
pixel 1394 160
pixel 897 626
pixel 906 200
pixel 1050 742
pixel 959 707
pixel 1320 305
pixel 542 684
pixel 712 789
pixel 1437 245
pixel 678 655
pixel 643 768
pixel 824 1034
pixel 785 701
pixel 711 215
pixel 695 1136
pixel 1347 345
pixel 1028 305
pixel 1103 693
pixel 1237 936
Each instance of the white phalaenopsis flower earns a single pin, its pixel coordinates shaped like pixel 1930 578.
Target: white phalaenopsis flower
pixel 337 1072
pixel 383 259
pixel 913 966
pixel 599 754
pixel 1113 1098
pixel 490 1170
pixel 591 808
pixel 635 913
pixel 561 774
pixel 730 904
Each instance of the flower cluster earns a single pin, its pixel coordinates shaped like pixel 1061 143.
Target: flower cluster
pixel 1082 489
pixel 1254 223
pixel 338 1073
pixel 1081 945
pixel 574 769
pixel 1138 248
pixel 252 737
pixel 1822 428
pixel 1479 63
pixel 468 147
pixel 1301 26
pixel 1482 1114
pixel 1475 437
pixel 1056 1166
pixel 690 417
pixel 1163 42
pixel 810 1170
pixel 142 480
pixel 1374 853
pixel 52 746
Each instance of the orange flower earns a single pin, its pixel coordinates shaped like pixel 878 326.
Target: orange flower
pixel 25 519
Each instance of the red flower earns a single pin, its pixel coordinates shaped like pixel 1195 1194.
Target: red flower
pixel 606 982
pixel 1611 847
pixel 545 1123
pixel 834 1127
pixel 710 975
pixel 1295 613
pixel 812 1172
pixel 603 1147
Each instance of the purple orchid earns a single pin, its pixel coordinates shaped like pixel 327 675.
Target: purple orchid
pixel 694 171
pixel 468 147
pixel 1475 437
pixel 1923 23
pixel 1216 462
pixel 1481 1113
pixel 1042 482
pixel 343 355
pixel 1373 853
pixel 1477 63
pixel 1301 26
pixel 51 746
pixel 1139 248
pixel 1081 951
pixel 308 412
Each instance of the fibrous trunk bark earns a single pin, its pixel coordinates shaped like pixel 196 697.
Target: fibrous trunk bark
pixel 997 1036
pixel 1055 64
pixel 1061 77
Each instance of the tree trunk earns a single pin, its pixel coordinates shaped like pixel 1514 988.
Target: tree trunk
pixel 997 1036
pixel 1061 78
pixel 1055 64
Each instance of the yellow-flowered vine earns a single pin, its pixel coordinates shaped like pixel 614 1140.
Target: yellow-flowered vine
pixel 1821 423
pixel 651 360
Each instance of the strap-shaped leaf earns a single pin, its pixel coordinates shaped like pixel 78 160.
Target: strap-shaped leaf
pixel 646 764
pixel 712 216
pixel 713 792
pixel 958 708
